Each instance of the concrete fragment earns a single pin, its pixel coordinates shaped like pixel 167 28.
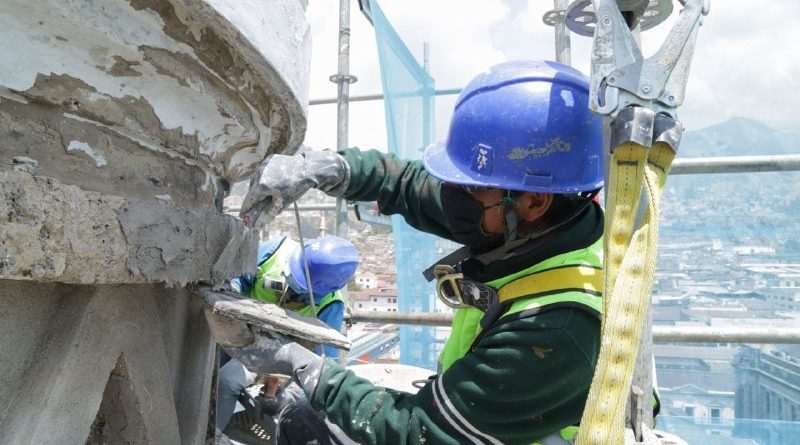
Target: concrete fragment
pixel 272 318
pixel 228 331
pixel 237 257
pixel 24 164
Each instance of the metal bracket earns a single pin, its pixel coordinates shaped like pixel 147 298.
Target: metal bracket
pixel 644 126
pixel 581 18
pixel 346 78
pixel 622 78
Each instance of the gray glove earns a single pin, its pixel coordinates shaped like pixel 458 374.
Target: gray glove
pixel 273 353
pixel 280 180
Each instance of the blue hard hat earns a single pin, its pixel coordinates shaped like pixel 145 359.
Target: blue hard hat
pixel 332 261
pixel 523 126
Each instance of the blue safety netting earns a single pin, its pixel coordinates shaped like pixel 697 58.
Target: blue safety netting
pixel 409 103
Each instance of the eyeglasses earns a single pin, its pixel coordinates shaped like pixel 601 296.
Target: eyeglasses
pixel 472 189
pixel 475 188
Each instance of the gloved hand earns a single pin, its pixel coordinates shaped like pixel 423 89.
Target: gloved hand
pixel 272 353
pixel 266 352
pixel 280 180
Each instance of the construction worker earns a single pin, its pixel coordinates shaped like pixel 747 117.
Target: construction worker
pixel 280 278
pixel 514 182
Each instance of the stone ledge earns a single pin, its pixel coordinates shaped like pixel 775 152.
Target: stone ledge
pixel 217 83
pixel 52 232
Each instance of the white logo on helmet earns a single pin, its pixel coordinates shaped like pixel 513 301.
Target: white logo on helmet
pixel 482 159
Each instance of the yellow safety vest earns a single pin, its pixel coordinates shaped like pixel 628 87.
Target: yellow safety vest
pixel 572 279
pixel 275 268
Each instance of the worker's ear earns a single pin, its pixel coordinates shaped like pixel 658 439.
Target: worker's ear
pixel 531 206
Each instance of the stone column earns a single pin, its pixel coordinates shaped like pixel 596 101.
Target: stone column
pixel 122 125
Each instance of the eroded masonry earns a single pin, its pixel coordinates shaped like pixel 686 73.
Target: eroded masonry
pixel 122 125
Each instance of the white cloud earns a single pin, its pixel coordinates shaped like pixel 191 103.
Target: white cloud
pixel 744 64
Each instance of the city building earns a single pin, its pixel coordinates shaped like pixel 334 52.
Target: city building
pixel 696 381
pixel 366 280
pixel 768 382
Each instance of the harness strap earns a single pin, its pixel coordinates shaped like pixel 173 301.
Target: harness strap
pixel 539 286
pixel 582 278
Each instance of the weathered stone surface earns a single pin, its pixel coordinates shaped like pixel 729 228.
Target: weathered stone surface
pixel 218 84
pixel 57 232
pixel 64 347
pixel 128 120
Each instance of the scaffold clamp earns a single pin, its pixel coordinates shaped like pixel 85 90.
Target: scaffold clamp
pixel 622 78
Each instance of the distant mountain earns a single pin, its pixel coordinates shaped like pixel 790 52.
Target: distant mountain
pixel 739 136
pixel 740 206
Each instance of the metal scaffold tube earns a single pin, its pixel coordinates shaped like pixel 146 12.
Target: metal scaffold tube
pixel 663 334
pixel 370 97
pixel 343 79
pixel 688 166
pixel 563 50
pixel 711 334
pixel 736 164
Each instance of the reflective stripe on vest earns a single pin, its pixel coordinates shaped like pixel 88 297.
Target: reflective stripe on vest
pixel 275 268
pixel 572 279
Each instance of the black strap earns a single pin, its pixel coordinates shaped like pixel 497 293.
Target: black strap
pixel 452 260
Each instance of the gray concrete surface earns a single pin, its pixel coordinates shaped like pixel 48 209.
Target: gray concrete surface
pixel 122 124
pixel 58 232
pixel 63 342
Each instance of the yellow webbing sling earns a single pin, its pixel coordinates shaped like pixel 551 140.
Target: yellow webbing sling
pixel 628 268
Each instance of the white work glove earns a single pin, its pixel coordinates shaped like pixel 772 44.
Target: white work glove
pixel 280 180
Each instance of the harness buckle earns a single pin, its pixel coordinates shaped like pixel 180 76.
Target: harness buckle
pixel 447 288
pixel 458 292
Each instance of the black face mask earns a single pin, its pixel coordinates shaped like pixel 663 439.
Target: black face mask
pixel 465 217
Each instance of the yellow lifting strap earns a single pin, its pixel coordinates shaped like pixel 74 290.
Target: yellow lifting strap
pixel 628 272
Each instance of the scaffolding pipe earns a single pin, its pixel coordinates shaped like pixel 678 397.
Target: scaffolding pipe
pixel 735 164
pixel 685 166
pixel 738 334
pixel 343 79
pixel 301 208
pixel 415 318
pixel 679 334
pixel 369 97
pixel 563 49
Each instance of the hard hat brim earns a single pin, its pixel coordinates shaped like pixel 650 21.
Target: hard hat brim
pixel 438 163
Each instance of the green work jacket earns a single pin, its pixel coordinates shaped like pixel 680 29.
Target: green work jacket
pixel 522 380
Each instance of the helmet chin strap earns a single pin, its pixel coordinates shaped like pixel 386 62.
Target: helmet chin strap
pixel 514 244
pixel 510 217
pixel 517 245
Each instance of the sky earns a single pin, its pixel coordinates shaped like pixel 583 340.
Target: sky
pixel 745 63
